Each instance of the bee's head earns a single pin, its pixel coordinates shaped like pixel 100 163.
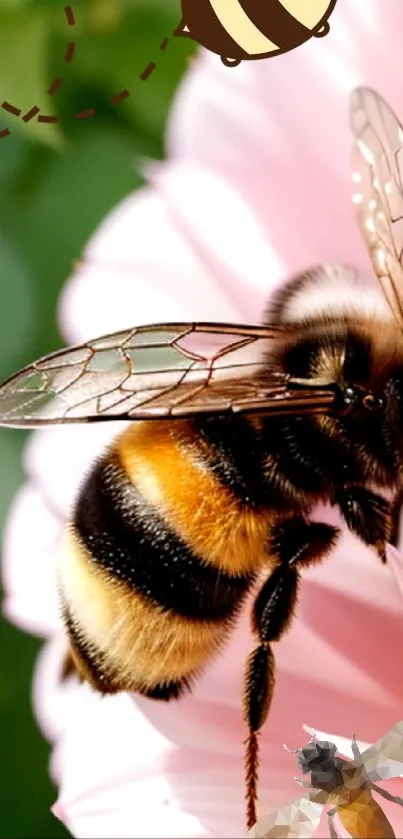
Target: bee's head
pixel 344 333
pixel 319 759
pixel 316 755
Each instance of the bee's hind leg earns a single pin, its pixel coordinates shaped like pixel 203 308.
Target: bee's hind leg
pixel 330 821
pixel 295 543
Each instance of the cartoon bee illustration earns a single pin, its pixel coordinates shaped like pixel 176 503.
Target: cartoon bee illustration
pixel 236 433
pixel 250 29
pixel 347 785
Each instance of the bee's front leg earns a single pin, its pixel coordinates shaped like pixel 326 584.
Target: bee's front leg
pixel 367 515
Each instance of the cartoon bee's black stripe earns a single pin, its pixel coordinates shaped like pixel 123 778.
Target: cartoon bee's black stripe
pixel 129 538
pixel 274 21
pixel 205 27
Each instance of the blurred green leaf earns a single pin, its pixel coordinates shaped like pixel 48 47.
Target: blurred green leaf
pixel 16 302
pixel 62 200
pixel 24 35
pixel 111 61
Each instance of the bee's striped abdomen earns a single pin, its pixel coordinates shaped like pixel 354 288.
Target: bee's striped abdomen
pixel 158 559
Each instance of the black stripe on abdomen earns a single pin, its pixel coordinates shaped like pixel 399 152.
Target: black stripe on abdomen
pixel 131 541
pixel 274 21
pixel 205 28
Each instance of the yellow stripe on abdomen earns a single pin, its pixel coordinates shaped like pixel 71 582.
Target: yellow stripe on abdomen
pixel 161 460
pixel 364 819
pixel 240 28
pixel 137 643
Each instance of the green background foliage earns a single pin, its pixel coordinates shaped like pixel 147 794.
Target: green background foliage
pixel 57 182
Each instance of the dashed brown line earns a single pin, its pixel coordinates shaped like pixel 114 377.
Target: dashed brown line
pixel 69 15
pixel 147 71
pixel 48 118
pixel 11 109
pixel 119 97
pixel 90 112
pixel 71 48
pixel 30 114
pixel 54 87
pixel 57 83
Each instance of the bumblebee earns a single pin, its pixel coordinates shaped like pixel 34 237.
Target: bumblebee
pixel 236 433
pixel 252 29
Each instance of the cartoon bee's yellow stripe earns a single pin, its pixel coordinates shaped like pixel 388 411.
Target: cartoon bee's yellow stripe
pixel 240 28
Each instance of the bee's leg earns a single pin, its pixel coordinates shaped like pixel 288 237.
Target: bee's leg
pixel 294 543
pixel 367 515
pixel 385 794
pixel 330 821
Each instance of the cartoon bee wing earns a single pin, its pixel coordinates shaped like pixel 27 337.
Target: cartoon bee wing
pixel 385 758
pixel 377 172
pixel 298 820
pixel 165 371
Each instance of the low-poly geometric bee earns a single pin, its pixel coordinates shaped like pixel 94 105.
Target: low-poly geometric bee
pixel 251 29
pixel 236 433
pixel 345 784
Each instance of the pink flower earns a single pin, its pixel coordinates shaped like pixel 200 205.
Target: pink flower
pixel 256 186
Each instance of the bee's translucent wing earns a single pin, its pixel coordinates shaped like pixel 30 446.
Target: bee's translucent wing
pixel 165 371
pixel 385 758
pixel 377 169
pixel 298 820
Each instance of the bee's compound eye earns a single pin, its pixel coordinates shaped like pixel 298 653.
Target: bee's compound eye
pixel 372 402
pixel 346 400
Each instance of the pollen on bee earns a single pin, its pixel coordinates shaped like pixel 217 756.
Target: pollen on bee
pixel 372 204
pixel 357 198
pixel 376 183
pixel 366 152
pixel 356 177
pixel 388 188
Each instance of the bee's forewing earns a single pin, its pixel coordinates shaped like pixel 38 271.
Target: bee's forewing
pixel 298 820
pixel 156 372
pixel 385 758
pixel 377 172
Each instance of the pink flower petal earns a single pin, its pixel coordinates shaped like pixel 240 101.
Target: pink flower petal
pixel 57 460
pixel 30 541
pixel 139 268
pixel 55 702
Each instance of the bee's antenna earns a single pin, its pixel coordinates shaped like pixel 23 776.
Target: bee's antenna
pixel 291 751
